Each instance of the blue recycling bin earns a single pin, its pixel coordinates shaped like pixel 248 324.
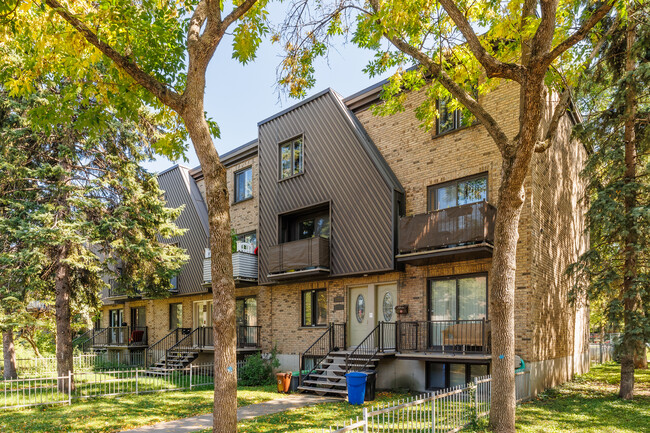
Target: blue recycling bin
pixel 356 382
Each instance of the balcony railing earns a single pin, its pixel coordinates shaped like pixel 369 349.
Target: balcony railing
pixel 117 292
pixel 248 337
pixel 457 226
pixel 122 336
pixel 299 258
pixel 244 267
pixel 444 336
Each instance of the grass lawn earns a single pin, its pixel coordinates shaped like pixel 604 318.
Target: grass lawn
pixel 119 413
pixel 310 419
pixel 588 405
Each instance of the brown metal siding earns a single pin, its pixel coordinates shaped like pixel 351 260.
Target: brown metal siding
pixel 181 190
pixel 337 169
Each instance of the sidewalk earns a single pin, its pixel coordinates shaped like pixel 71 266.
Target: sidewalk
pixel 202 422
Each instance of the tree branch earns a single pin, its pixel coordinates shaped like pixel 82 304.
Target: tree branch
pixel 158 89
pixel 492 127
pixel 580 34
pixel 237 13
pixel 494 68
pixel 565 97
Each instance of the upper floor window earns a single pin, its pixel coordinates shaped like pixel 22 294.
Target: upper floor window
pixel 291 158
pixel 458 192
pixel 449 119
pixel 307 224
pixel 249 238
pixel 243 184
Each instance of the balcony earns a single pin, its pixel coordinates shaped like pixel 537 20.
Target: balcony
pixel 244 266
pixel 457 233
pixel 305 258
pixel 444 338
pixel 121 336
pixel 116 293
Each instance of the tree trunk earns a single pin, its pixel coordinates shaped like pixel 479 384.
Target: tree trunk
pixel 629 291
pixel 223 286
pixel 641 357
pixel 502 297
pixel 33 344
pixel 64 364
pixel 9 354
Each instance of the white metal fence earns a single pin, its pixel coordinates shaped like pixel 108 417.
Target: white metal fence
pixel 600 353
pixel 26 392
pixel 86 361
pixel 445 411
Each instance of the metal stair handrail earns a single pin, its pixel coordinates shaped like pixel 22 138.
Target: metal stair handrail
pixel 367 347
pixel 90 342
pixel 182 341
pixel 87 335
pixel 163 344
pixel 327 343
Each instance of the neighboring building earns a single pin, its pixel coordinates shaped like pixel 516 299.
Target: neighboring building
pixel 376 235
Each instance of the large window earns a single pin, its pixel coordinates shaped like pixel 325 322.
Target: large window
pixel 458 298
pixel 175 316
pixel 246 311
pixel 445 374
pixel 458 192
pixel 243 184
pixel 138 316
pixel 314 307
pixel 291 158
pixel 310 224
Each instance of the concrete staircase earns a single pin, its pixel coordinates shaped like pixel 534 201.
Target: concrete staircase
pixel 329 376
pixel 176 360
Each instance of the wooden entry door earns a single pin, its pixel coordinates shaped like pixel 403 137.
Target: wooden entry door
pixel 359 314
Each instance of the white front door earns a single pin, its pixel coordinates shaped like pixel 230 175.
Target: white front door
pixel 358 315
pixel 202 316
pixel 369 305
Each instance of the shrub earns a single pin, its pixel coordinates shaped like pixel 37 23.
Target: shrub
pixel 258 370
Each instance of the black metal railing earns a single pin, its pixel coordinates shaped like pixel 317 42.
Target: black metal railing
pixel 333 339
pixel 122 336
pixel 88 339
pixel 383 338
pixel 248 336
pixel 156 352
pixel 445 336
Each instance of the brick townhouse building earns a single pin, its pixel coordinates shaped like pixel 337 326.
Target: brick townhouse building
pixel 374 241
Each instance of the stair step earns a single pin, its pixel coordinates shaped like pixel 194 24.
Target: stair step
pixel 323 390
pixel 325 384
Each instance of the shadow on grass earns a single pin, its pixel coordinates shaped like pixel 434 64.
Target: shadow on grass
pixel 103 415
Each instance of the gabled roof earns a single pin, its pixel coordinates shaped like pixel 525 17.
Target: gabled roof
pixel 192 190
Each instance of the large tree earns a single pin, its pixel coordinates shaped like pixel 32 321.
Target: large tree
pixel 526 42
pixel 77 201
pixel 164 49
pixel 616 99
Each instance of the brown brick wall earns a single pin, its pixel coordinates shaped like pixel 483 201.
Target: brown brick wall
pixel 551 235
pixel 243 215
pixel 557 239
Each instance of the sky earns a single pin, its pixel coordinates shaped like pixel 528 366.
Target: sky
pixel 238 96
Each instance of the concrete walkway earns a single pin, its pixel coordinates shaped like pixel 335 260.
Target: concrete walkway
pixel 202 422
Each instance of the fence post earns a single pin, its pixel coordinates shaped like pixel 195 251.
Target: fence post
pixel 433 414
pixel 69 388
pixel 475 396
pixel 365 420
pixel 136 381
pixel 190 377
